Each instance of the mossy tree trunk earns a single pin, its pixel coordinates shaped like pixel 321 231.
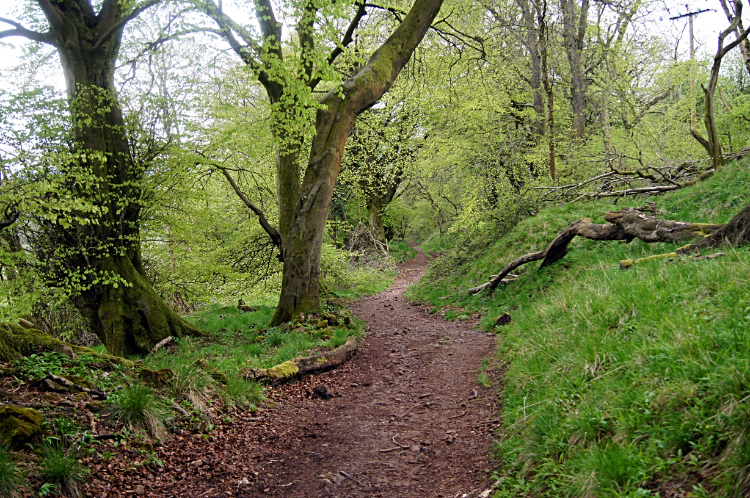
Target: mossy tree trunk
pixel 304 203
pixel 303 242
pixel 101 255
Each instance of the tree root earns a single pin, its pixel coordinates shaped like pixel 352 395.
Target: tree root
pixel 629 224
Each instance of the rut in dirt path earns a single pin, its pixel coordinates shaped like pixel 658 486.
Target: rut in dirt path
pixel 407 419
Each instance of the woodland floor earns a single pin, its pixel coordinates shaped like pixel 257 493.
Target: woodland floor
pixel 407 419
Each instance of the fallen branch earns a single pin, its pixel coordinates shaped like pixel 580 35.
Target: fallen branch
pixel 71 385
pixel 304 365
pixel 161 344
pixel 629 224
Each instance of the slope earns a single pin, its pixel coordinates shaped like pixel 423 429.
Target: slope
pixel 620 383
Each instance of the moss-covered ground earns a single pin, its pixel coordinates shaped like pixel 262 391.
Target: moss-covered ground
pixel 620 383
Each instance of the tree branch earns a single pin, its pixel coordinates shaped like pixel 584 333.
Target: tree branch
pixel 26 33
pixel 348 37
pixel 270 230
pixel 305 29
pixel 119 24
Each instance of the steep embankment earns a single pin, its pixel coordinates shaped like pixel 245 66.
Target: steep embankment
pixel 620 383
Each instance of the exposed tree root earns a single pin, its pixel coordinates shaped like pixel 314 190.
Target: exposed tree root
pixel 629 224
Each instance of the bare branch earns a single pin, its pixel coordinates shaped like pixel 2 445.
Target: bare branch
pixel 122 22
pixel 26 33
pixel 270 230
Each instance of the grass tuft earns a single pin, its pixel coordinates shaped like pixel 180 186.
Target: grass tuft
pixel 12 481
pixel 138 408
pixel 60 468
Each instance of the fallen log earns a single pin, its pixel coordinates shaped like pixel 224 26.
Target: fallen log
pixel 304 365
pixel 628 224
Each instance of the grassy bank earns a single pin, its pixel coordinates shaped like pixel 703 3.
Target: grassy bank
pixel 620 383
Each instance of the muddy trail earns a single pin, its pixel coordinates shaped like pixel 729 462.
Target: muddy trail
pixel 406 418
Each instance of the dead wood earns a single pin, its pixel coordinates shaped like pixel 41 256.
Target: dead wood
pixel 70 385
pixel 629 224
pixel 161 344
pixel 658 180
pixel 305 365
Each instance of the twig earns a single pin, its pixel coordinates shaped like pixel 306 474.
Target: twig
pixel 350 477
pixel 458 416
pixel 161 344
pixel 493 421
pixel 398 446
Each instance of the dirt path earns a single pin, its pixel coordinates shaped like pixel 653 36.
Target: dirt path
pixel 408 419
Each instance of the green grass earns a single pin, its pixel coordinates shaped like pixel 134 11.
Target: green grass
pixel 400 251
pixel 12 480
pixel 621 383
pixel 139 408
pixel 60 468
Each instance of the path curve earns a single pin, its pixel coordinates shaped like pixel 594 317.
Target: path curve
pixel 407 419
pixel 412 386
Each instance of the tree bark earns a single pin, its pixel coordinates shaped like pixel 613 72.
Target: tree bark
pixel 574 33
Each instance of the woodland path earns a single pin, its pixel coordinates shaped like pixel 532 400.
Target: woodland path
pixel 411 389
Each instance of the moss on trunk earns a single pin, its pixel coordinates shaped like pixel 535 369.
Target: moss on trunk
pixel 17 341
pixel 131 319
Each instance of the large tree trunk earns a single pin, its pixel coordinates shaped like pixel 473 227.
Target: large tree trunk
pixel 104 252
pixel 340 108
pixel 131 318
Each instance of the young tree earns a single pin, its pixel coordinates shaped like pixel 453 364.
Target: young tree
pixel 98 255
pixel 304 201
pixel 711 143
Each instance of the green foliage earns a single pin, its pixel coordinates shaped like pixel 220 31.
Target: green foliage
pixel 12 480
pixel 619 382
pixel 60 468
pixel 36 366
pixel 139 408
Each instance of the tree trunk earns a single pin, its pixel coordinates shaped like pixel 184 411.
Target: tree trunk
pixel 132 318
pixel 574 37
pixel 375 213
pixel 340 107
pixel 711 143
pixel 104 254
pixel 532 45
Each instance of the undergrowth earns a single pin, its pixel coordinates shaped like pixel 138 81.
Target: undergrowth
pixel 620 383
